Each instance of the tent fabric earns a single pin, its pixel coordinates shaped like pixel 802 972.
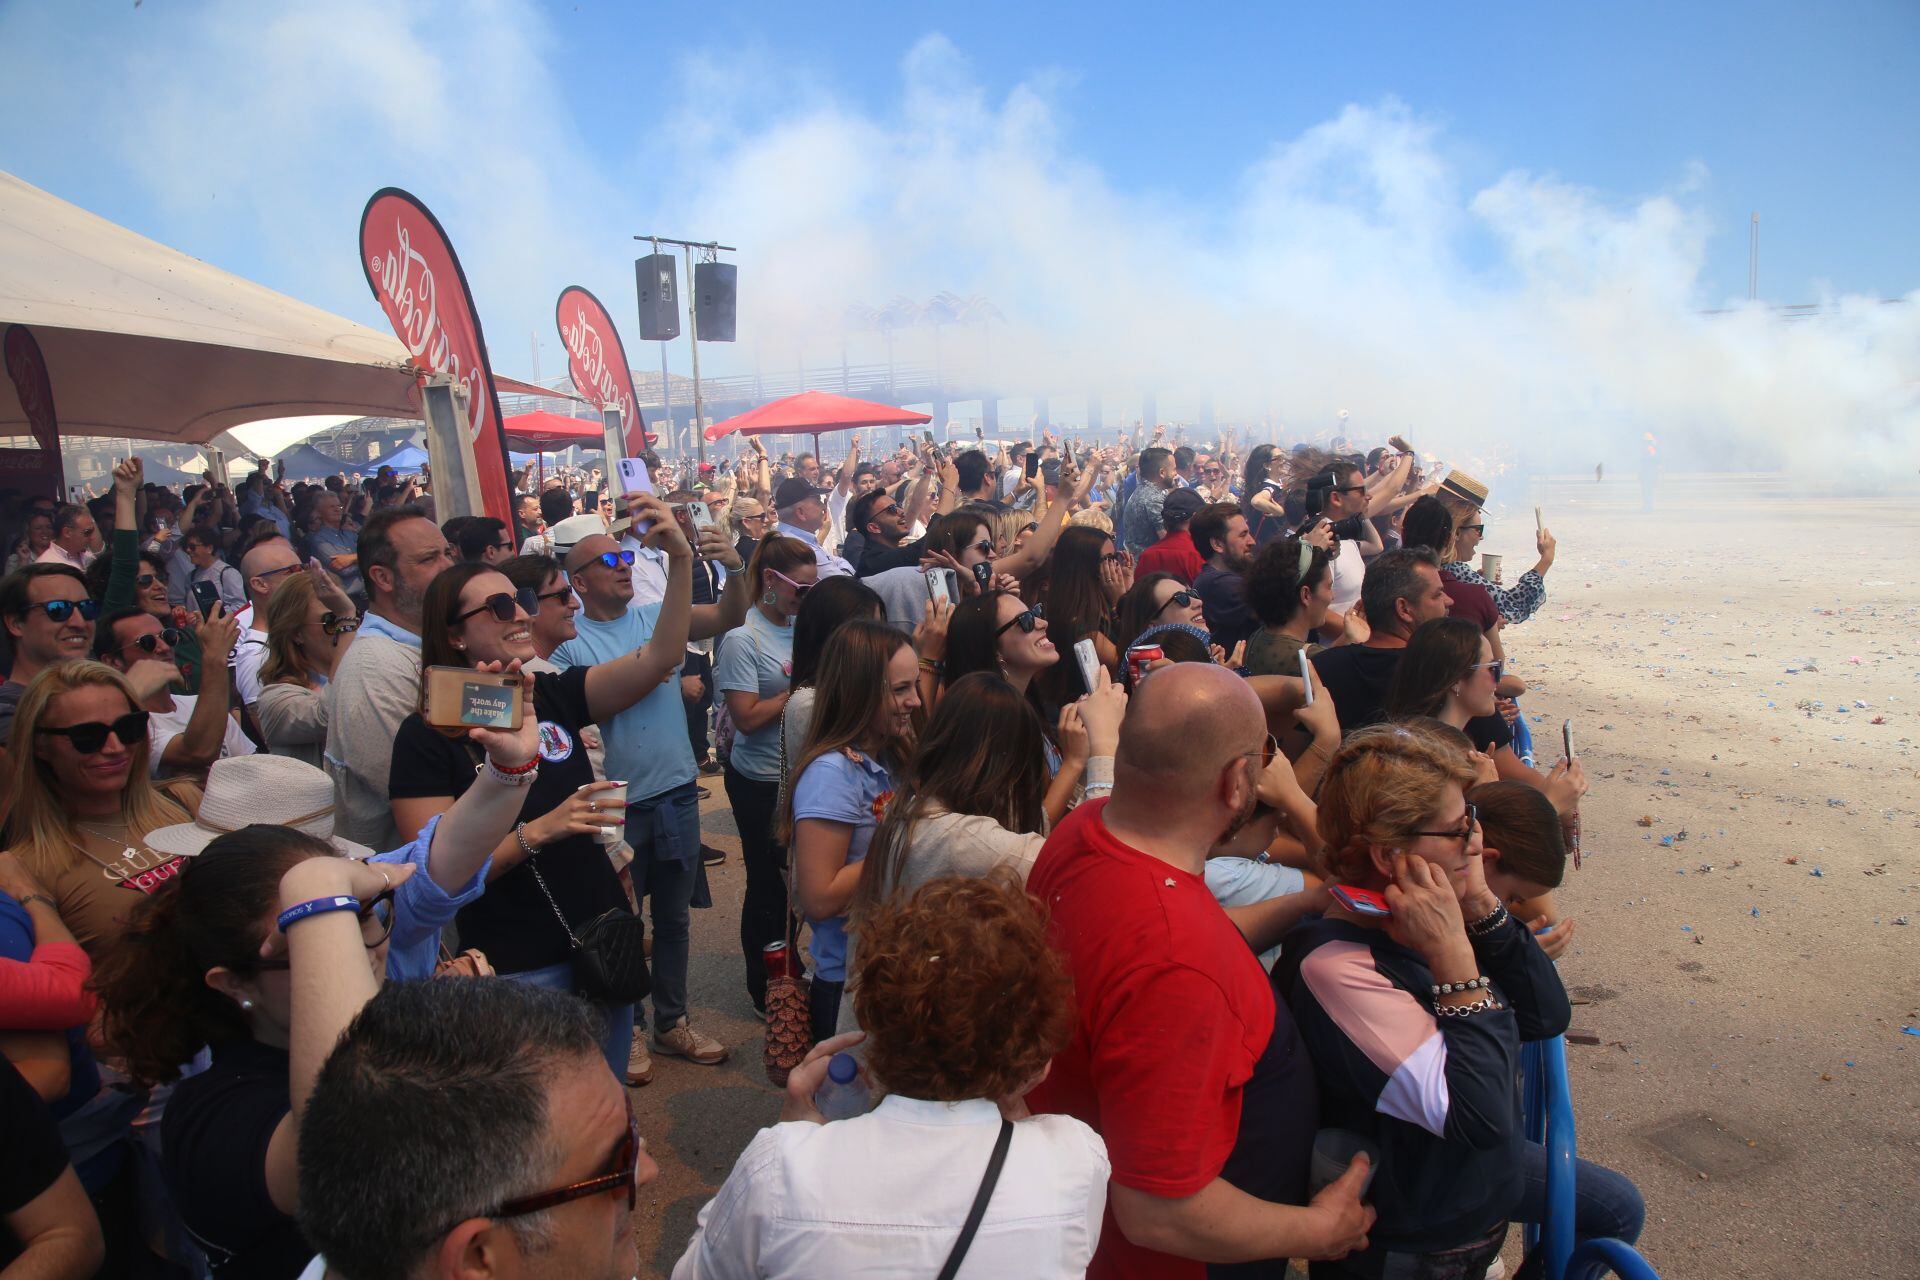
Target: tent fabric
pixel 549 431
pixel 144 342
pixel 813 411
pixel 304 462
pixel 407 460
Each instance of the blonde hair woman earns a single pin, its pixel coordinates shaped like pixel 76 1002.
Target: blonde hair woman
pixel 307 635
pixel 83 801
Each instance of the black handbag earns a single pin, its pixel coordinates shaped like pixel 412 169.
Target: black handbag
pixel 609 952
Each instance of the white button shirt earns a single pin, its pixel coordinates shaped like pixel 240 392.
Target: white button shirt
pixel 885 1195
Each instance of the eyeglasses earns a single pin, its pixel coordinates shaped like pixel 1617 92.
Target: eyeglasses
pixel 1496 666
pixel 1027 619
pixel 800 589
pixel 285 568
pixel 151 641
pixel 1184 599
pixel 333 624
pixel 503 605
pixel 61 610
pixel 377 911
pixel 1268 750
pixel 1351 488
pixel 626 1164
pixel 1464 834
pixel 90 736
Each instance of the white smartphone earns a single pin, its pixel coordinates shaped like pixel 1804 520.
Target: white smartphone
pixel 1089 661
pixel 1539 521
pixel 701 515
pixel 1306 674
pixel 941 587
pixel 1566 737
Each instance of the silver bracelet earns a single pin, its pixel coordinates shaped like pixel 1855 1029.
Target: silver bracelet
pixel 1449 988
pixel 1488 923
pixel 1485 1004
pixel 524 778
pixel 520 834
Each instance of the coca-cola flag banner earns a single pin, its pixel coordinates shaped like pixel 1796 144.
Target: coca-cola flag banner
pixel 598 361
pixel 413 272
pixel 36 471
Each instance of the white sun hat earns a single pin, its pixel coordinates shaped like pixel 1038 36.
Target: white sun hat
pixel 242 790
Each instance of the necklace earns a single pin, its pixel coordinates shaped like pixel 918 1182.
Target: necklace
pixel 104 835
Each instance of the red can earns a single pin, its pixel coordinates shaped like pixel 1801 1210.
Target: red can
pixel 774 956
pixel 1139 658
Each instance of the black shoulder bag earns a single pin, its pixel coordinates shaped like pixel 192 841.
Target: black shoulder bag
pixel 979 1211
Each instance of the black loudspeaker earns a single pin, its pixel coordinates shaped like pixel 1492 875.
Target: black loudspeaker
pixel 654 276
pixel 713 299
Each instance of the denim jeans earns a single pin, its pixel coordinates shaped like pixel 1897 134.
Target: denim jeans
pixel 664 831
pixel 616 1031
pixel 1605 1203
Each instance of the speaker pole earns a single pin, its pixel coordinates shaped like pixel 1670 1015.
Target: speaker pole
pixel 693 334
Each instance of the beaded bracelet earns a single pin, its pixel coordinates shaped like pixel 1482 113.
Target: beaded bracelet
pixel 520 834
pixel 521 777
pixel 1449 988
pixel 1488 923
pixel 318 906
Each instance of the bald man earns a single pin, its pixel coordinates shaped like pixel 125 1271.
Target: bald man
pixel 265 566
pixel 1181 1058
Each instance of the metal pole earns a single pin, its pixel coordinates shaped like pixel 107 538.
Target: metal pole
pixel 693 335
pixel 456 485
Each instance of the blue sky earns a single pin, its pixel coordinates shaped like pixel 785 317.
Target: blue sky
pixel 1295 205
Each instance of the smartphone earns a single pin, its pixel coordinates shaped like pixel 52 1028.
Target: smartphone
pixel 983 574
pixel 207 596
pixel 460 698
pixel 634 479
pixel 1539 521
pixel 1362 902
pixel 1566 737
pixel 700 514
pixel 979 435
pixel 942 587
pixel 1033 463
pixel 928 436
pixel 1089 663
pixel 1306 674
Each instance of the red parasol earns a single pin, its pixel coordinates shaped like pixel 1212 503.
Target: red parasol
pixel 547 431
pixel 812 412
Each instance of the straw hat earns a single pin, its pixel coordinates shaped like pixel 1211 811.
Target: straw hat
pixel 242 790
pixel 574 528
pixel 1459 484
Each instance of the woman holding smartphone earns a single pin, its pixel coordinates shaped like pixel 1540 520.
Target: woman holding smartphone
pixel 549 878
pixel 859 743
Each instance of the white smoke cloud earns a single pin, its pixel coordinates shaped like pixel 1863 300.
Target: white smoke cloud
pixel 1352 266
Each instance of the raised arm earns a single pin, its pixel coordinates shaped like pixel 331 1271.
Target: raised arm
pixel 1040 545
pixel 618 683
pixel 199 744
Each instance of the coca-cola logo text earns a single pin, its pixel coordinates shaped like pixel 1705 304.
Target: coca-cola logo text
pixel 410 293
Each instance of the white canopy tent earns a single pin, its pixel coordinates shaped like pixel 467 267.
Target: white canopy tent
pixel 142 341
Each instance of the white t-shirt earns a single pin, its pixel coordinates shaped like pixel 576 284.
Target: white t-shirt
pixel 249 653
pixel 164 726
pixel 1349 570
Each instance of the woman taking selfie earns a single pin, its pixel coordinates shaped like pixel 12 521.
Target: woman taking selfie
pixel 860 741
pixel 307 636
pixel 83 801
pixel 550 878
pixel 753 672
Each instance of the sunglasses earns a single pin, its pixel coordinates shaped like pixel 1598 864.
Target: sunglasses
pixel 612 559
pixel 285 568
pixel 1351 488
pixel 800 589
pixel 531 600
pixel 504 605
pixel 144 581
pixel 1477 528
pixel 626 1164
pixel 1026 620
pixel 151 641
pixel 61 610
pixel 1267 751
pixel 1496 667
pixel 1464 834
pixel 376 911
pixel 333 624
pixel 90 736
pixel 1184 599
pixel 984 547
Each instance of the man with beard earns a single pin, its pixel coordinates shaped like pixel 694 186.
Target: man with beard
pixel 377 684
pixel 1180 1057
pixel 1221 536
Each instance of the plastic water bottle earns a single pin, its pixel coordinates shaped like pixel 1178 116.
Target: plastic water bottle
pixel 843 1094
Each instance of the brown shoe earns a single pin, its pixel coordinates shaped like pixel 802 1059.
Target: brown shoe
pixel 639 1063
pixel 682 1041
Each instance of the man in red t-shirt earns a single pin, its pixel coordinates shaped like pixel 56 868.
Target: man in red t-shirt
pixel 1175 553
pixel 1176 1024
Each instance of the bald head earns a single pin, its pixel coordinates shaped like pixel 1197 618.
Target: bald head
pixel 588 549
pixel 1186 722
pixel 265 565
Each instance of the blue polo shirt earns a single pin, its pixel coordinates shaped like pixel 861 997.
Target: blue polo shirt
pixel 647 746
pixel 841 787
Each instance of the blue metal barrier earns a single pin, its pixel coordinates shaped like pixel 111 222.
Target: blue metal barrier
pixel 1547 1105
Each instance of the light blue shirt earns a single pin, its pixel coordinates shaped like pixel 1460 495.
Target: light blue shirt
pixel 830 565
pixel 421 908
pixel 372 624
pixel 756 658
pixel 838 788
pixel 647 745
pixel 1241 882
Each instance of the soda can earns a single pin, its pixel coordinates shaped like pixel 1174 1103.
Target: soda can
pixel 1141 657
pixel 774 957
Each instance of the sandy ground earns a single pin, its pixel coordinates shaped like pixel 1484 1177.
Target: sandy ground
pixel 1743 671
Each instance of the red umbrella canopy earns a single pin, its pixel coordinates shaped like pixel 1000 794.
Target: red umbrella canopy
pixel 814 411
pixel 546 431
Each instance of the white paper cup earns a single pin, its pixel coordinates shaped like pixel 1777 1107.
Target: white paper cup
pixel 611 798
pixel 1490 565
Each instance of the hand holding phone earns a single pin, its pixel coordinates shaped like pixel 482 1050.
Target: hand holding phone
pixel 1089 663
pixel 941 587
pixel 1566 737
pixel 460 698
pixel 1306 674
pixel 207 596
pixel 1362 902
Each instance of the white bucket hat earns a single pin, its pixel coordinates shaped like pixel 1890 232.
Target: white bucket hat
pixel 242 790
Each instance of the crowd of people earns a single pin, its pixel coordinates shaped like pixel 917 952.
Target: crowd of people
pixel 1156 830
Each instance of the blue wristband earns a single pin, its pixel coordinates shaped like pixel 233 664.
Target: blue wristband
pixel 319 906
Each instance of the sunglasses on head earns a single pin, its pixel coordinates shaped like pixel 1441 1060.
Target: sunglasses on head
pixel 333 624
pixel 504 605
pixel 61 610
pixel 151 641
pixel 1026 620
pixel 90 736
pixel 377 911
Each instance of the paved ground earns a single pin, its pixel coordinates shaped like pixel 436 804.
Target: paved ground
pixel 1751 1072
